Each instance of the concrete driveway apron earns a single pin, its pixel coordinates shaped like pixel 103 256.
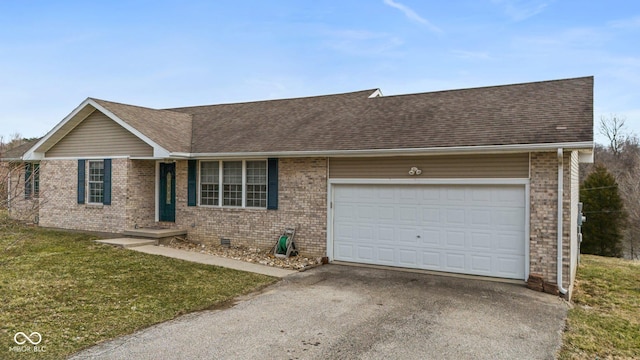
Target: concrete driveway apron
pixel 348 312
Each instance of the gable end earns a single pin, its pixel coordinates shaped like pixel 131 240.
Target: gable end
pixel 98 135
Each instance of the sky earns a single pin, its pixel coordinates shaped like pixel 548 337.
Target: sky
pixel 162 54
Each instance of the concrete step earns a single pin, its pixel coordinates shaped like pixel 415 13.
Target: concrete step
pixel 128 242
pixel 151 233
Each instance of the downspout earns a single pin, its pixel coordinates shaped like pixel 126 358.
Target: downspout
pixel 562 290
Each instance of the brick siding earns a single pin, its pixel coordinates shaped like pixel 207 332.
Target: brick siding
pixel 58 182
pixel 302 203
pixel 544 207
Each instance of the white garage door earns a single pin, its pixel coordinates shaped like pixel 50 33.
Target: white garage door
pixel 470 229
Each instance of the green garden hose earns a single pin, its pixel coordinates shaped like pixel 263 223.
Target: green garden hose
pixel 282 245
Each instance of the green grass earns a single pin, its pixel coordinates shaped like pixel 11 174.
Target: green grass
pixel 77 293
pixel 605 321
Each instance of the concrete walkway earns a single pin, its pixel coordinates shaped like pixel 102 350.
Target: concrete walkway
pixel 146 246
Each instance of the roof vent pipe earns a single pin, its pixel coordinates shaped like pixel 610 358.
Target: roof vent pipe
pixel 562 290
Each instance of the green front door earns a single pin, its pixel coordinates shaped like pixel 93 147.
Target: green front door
pixel 167 205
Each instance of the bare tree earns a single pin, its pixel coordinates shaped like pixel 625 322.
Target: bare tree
pixel 613 128
pixel 22 196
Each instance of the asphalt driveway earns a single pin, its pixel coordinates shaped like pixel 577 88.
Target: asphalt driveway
pixel 345 312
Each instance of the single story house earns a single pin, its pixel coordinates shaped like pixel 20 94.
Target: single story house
pixel 480 181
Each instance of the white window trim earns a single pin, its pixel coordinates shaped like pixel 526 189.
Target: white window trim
pixel 221 186
pixel 88 180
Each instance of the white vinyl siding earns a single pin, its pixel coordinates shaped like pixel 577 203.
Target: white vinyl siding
pixel 98 135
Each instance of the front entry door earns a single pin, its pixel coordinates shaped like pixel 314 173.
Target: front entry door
pixel 167 205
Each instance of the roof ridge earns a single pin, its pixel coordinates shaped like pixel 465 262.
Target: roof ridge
pixel 370 91
pixel 136 106
pixel 491 86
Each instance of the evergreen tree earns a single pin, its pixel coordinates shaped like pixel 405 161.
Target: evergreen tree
pixel 602 232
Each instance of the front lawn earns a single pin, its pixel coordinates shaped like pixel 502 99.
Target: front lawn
pixel 605 320
pixel 76 293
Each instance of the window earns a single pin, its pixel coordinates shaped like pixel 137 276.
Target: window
pixel 209 183
pixel 96 182
pixel 256 184
pixel 31 180
pixel 233 183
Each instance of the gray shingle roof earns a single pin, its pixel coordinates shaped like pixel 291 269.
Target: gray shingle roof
pixel 557 111
pixel 17 152
pixel 546 112
pixel 169 129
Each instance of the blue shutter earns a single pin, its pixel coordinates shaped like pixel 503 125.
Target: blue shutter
pixel 272 184
pixel 28 181
pixel 81 173
pixel 107 182
pixel 192 172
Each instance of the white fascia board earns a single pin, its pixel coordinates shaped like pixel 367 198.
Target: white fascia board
pixel 158 151
pixel 488 149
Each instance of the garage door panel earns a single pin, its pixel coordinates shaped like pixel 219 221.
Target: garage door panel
pixel 509 195
pixel 407 236
pixel 454 262
pixel 430 195
pixel 455 195
pixel 481 241
pixel 366 252
pixel 407 214
pixel 386 234
pixel 407 257
pixel 481 264
pixel 454 239
pixel 480 218
pixel 455 216
pixel 509 266
pixel 430 216
pixel 386 213
pixel 509 243
pixel 344 251
pixel 473 229
pixel 367 212
pixel 386 255
pixel 508 219
pixel 431 260
pixel 430 237
pixel 366 234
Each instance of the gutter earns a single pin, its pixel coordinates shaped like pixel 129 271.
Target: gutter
pixel 562 290
pixel 482 149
